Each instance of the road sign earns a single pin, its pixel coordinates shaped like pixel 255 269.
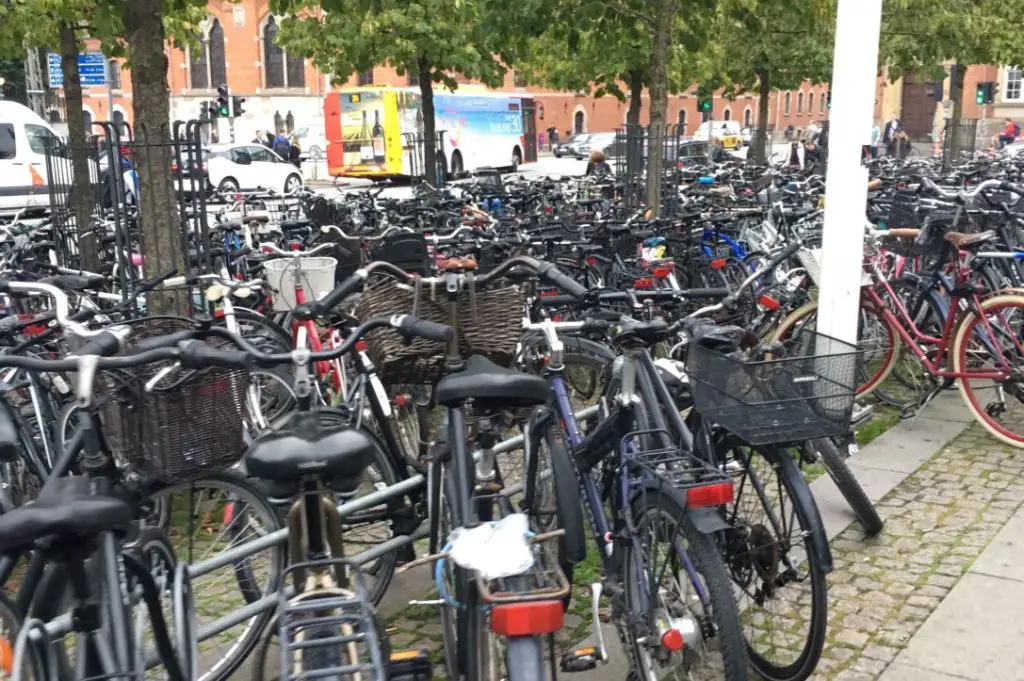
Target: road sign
pixel 92 69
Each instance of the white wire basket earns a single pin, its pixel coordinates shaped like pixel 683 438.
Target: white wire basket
pixel 316 275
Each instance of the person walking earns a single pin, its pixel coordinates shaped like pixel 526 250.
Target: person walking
pixel 295 153
pixel 876 137
pixel 598 165
pixel 1009 134
pixel 889 135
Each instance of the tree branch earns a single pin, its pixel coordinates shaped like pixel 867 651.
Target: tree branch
pixel 629 11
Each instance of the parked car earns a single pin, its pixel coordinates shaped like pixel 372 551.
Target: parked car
pixel 25 139
pixel 234 167
pixel 747 135
pixel 727 131
pixel 570 147
pixel 688 152
pixel 599 140
pixel 312 142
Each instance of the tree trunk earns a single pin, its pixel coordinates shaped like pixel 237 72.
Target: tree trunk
pixel 658 90
pixel 429 132
pixel 761 141
pixel 951 147
pixel 636 93
pixel 80 192
pixel 162 237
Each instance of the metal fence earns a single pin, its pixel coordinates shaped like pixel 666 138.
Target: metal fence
pixel 627 156
pixel 959 141
pixel 413 149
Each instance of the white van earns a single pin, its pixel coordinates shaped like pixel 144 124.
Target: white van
pixel 24 138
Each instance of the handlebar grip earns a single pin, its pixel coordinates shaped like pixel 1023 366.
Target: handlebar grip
pixel 339 294
pixel 9 441
pixel 104 344
pixel 169 340
pixel 782 257
pixel 411 327
pixel 702 293
pixel 1012 188
pixel 198 355
pixel 550 273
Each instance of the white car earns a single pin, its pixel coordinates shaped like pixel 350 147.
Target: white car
pixel 747 134
pixel 234 167
pixel 312 142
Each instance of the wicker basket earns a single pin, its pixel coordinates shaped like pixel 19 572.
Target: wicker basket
pixel 489 324
pixel 189 425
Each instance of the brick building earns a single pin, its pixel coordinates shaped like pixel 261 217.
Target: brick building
pixel 284 92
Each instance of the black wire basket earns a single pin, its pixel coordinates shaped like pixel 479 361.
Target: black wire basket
pixel 808 393
pixel 189 425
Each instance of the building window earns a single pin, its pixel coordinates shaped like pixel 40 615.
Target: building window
pixel 799 103
pixel 87 115
pixel 114 72
pixel 207 65
pixel 1012 91
pixel 785 104
pixel 366 78
pixel 823 102
pixel 727 115
pixel 810 102
pixel 681 121
pixel 280 69
pixel 412 79
pixel 747 117
pixel 519 80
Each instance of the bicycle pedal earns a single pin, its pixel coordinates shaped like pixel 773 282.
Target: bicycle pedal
pixel 410 665
pixel 580 659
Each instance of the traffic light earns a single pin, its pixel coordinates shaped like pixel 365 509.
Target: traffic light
pixel 705 105
pixel 204 111
pixel 985 92
pixel 236 107
pixel 223 101
pixel 213 111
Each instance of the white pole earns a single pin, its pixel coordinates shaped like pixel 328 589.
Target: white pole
pixel 858 23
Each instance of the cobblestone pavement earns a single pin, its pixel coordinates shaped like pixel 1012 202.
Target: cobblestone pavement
pixel 938 521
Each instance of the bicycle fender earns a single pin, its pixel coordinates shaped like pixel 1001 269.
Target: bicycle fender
pixel 706 520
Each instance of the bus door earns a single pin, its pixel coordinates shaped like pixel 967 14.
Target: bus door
pixel 529 131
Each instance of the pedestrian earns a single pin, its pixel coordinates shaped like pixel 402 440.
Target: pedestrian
pixel 718 153
pixel 889 134
pixel 540 140
pixel 1009 133
pixel 901 144
pixel 295 153
pixel 789 132
pixel 876 137
pixel 598 165
pixel 269 141
pixel 794 156
pixel 552 138
pixel 260 138
pixel 282 147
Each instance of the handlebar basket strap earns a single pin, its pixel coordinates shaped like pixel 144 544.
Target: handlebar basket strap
pixel 489 324
pixel 189 425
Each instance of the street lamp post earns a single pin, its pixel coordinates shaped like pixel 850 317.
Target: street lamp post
pixel 858 23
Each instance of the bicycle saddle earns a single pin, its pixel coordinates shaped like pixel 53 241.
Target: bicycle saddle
pixel 76 282
pixel 303 448
pixel 961 240
pixel 484 381
pixel 69 511
pixel 644 333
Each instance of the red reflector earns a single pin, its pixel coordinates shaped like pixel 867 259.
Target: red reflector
pixel 548 294
pixel 527 619
pixel 266 249
pixel 710 495
pixel 229 514
pixel 768 302
pixel 718 263
pixel 592 261
pixel 361 346
pixel 548 209
pixel 295 246
pixel 661 272
pixel 643 282
pixel 556 318
pixel 219 312
pixel 672 640
pixel 401 400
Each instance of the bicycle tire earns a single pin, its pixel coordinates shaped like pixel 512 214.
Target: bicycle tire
pixel 848 485
pixel 670 505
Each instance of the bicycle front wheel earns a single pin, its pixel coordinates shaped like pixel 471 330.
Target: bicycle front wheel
pixel 670 567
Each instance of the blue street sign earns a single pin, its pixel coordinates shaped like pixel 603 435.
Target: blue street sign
pixel 92 69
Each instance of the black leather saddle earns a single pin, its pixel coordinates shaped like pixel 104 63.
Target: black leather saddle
pixel 303 449
pixel 68 512
pixel 642 333
pixel 76 282
pixel 487 383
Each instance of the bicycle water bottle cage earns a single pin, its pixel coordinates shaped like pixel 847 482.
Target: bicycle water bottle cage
pixel 302 449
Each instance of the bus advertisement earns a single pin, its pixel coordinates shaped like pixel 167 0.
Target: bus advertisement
pixel 378 132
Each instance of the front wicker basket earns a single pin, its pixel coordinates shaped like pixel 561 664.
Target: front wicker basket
pixel 489 324
pixel 191 424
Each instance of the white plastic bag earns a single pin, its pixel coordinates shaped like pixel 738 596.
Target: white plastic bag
pixel 494 550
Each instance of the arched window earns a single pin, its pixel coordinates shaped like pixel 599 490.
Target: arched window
pixel 785 104
pixel 727 115
pixel 119 120
pixel 579 122
pixel 810 102
pixel 88 121
pixel 114 67
pixel 800 102
pixel 747 117
pixel 207 65
pixel 280 69
pixel 823 101
pixel 681 121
